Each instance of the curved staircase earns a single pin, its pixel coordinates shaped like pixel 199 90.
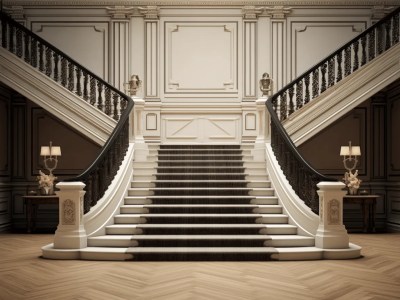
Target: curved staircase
pixel 203 202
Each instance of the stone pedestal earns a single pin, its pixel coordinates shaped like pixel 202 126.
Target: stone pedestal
pixel 331 233
pixel 259 145
pixel 70 233
pixel 141 148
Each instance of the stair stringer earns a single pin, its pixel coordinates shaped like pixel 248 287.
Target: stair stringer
pixel 65 105
pixel 341 98
pixel 299 214
pixel 102 214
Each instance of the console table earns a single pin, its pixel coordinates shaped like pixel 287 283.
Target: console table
pixel 32 203
pixel 368 207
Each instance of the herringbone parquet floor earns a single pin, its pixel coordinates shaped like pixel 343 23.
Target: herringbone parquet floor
pixel 23 275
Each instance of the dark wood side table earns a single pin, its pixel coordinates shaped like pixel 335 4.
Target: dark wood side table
pixel 368 207
pixel 32 203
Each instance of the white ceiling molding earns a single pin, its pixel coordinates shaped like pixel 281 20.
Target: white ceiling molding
pixel 199 2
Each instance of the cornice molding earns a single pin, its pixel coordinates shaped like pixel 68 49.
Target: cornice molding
pixel 111 3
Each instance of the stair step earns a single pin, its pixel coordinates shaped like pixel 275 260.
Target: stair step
pixel 178 253
pixel 201 241
pixel 176 229
pixel 199 146
pixel 205 183
pixel 221 199
pixel 200 218
pixel 200 208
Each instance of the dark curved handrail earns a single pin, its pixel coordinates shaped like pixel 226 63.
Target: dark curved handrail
pixel 61 68
pixel 341 63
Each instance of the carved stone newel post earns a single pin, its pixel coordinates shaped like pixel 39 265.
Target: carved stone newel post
pixel 70 233
pixel 331 233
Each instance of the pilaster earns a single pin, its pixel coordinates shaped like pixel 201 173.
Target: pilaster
pixel 250 14
pixel 120 45
pixel 152 62
pixel 278 16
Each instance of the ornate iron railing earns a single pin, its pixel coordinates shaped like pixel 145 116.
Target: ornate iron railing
pixel 337 66
pixel 58 66
pixel 340 64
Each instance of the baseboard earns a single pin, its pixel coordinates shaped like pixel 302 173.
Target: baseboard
pixel 5 227
pixel 392 227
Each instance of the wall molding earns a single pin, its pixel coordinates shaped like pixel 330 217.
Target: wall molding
pixel 195 2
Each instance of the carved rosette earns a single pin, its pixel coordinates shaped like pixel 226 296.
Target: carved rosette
pixel 68 212
pixel 334 212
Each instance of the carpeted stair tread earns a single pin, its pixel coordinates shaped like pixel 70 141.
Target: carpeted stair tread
pixel 203 205
pixel 184 215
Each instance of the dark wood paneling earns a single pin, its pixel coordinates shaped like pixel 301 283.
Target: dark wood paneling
pixel 19 137
pixel 378 137
pixel 77 151
pixel 4 137
pixel 394 145
pixel 322 151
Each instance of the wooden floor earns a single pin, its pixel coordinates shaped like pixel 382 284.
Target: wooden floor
pixel 23 275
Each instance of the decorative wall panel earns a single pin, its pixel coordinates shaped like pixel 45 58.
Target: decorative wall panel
pixel 250 43
pixel 201 58
pixel 322 150
pixel 394 148
pixel 201 129
pixel 77 151
pixel 87 43
pixel 152 60
pixel 4 137
pixel 313 41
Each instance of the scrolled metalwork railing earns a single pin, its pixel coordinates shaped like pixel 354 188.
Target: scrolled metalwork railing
pixel 59 67
pixel 343 62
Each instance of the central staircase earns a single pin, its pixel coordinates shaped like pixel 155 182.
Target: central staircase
pixel 202 202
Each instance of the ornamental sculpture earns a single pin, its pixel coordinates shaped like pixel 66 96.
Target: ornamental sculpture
pixel 266 84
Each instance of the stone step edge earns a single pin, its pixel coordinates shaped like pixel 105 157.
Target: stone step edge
pixel 203 237
pixel 256 215
pixel 261 226
pixel 202 205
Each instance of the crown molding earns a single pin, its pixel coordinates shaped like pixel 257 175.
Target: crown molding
pixel 37 3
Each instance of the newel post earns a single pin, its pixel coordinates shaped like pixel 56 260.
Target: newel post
pixel 259 145
pixel 331 233
pixel 141 149
pixel 70 233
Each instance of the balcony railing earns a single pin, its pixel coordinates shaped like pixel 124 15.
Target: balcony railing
pixel 59 67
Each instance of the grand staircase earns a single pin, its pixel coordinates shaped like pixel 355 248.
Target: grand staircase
pixel 203 202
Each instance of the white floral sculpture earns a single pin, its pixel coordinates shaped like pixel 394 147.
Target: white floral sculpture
pixel 46 182
pixel 352 182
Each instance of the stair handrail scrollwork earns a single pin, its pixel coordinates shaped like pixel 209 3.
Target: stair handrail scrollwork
pixel 92 89
pixel 343 62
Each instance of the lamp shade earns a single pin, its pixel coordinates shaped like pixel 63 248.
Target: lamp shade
pixel 344 151
pixel 355 151
pixel 55 151
pixel 45 151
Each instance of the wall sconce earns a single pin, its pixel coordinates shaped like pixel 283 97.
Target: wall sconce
pixel 350 159
pixel 50 154
pixel 133 85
